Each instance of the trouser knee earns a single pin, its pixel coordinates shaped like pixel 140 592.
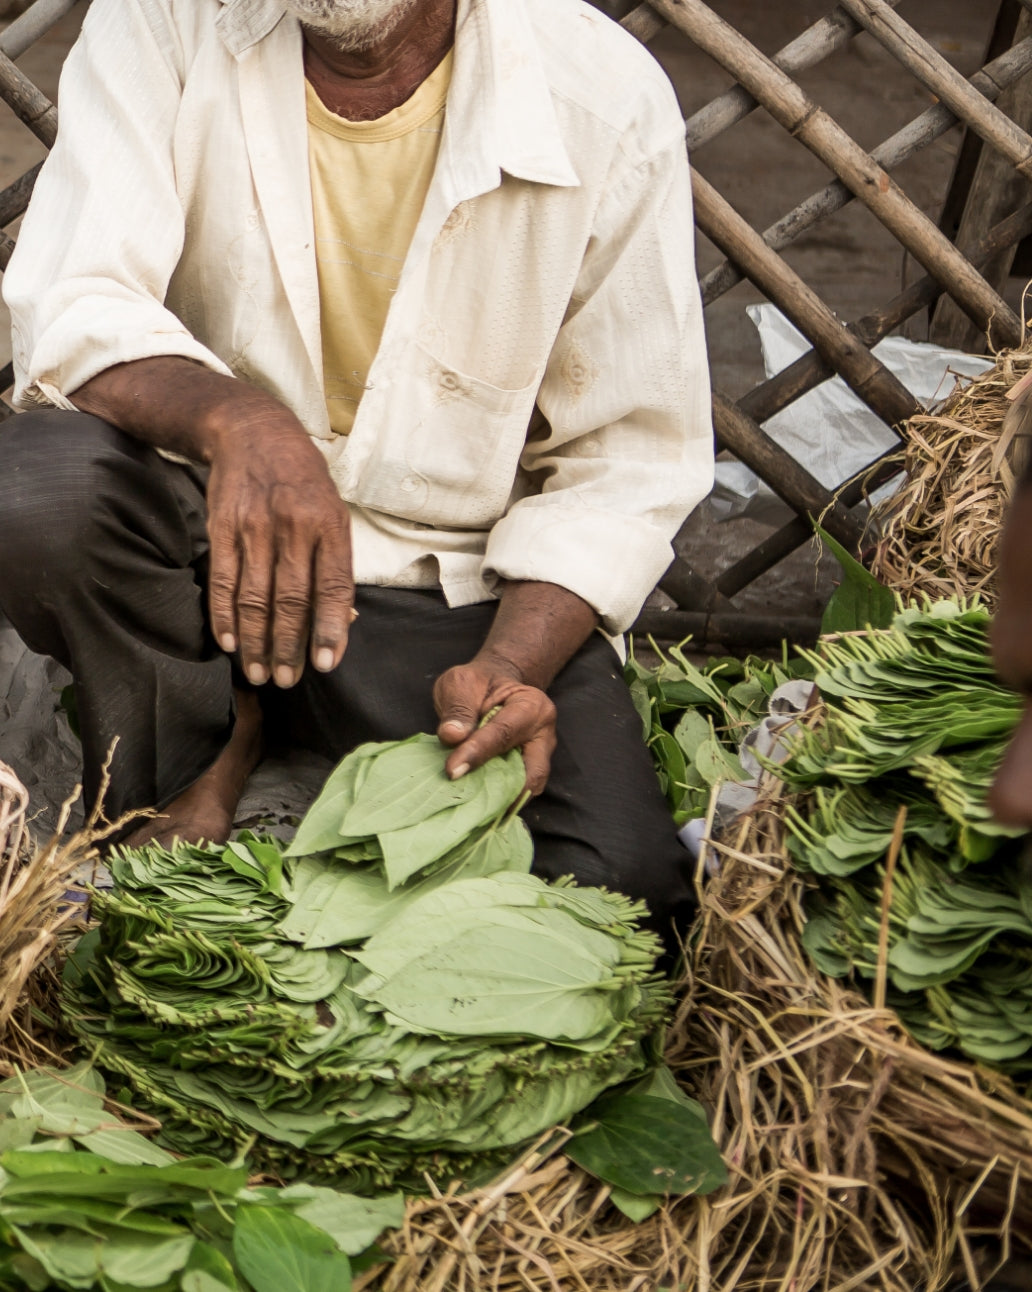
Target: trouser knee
pixel 55 470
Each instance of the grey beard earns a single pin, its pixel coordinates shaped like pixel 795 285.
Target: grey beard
pixel 350 24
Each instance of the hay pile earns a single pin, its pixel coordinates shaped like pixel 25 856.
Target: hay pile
pixel 938 534
pixel 34 914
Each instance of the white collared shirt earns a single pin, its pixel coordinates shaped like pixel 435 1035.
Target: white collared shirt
pixel 552 269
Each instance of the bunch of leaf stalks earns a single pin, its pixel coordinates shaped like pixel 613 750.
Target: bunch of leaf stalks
pixel 86 1201
pixel 914 718
pixel 395 995
pixel 694 719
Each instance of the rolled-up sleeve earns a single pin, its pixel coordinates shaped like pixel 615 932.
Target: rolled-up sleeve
pixel 105 228
pixel 627 450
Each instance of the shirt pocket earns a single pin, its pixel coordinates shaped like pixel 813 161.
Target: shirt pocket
pixel 447 451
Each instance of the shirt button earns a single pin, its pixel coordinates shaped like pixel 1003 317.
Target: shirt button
pixel 410 484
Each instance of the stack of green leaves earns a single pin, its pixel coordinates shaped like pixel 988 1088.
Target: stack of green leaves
pixel 87 1202
pixel 915 716
pixel 694 719
pixel 394 994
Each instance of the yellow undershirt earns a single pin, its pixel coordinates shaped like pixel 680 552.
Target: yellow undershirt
pixel 369 182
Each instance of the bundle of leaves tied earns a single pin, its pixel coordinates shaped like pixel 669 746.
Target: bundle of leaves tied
pixel 694 719
pixel 394 993
pixel 915 717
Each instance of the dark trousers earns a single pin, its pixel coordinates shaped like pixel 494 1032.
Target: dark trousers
pixel 103 562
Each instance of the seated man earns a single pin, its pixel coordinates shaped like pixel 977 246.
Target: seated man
pixel 367 377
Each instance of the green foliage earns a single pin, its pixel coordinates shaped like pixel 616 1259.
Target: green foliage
pixel 694 719
pixel 650 1141
pixel 915 716
pixel 72 1217
pixel 379 1008
pixel 859 601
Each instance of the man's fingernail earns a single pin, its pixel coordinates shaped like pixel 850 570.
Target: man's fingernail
pixel 461 770
pixel 353 613
pixel 257 674
pixel 228 643
pixel 284 675
pixel 324 659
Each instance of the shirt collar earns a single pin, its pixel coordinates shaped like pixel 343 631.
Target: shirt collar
pixel 499 82
pixel 242 23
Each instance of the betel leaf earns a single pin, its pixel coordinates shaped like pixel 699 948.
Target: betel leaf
pixel 636 1207
pixel 354 1223
pixel 280 1252
pixel 859 601
pixel 645 1145
pixel 207 1270
pixel 406 783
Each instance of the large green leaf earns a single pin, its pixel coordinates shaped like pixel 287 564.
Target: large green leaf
pixel 280 1252
pixel 647 1145
pixel 859 601
pixel 354 1223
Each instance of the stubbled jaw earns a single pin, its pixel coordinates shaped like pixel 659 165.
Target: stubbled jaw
pixel 350 24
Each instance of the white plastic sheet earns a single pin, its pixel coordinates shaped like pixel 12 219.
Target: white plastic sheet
pixel 829 430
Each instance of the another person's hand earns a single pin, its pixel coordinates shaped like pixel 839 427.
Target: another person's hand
pixel 280 579
pixel 525 719
pixel 1011 795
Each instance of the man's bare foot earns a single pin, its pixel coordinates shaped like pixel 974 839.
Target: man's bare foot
pixel 205 811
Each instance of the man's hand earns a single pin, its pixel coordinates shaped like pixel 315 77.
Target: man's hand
pixel 280 553
pixel 281 578
pixel 525 719
pixel 1011 795
pixel 538 628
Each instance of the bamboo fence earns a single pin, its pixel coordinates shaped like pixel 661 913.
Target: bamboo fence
pixel 965 276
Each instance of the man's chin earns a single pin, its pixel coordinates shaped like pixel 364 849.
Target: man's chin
pixel 352 25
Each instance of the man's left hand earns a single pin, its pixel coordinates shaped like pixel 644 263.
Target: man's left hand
pixel 525 720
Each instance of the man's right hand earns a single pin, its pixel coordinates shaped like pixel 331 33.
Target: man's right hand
pixel 280 580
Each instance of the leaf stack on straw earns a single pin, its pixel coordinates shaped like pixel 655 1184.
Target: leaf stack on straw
pixel 900 766
pixel 396 996
pixel 939 530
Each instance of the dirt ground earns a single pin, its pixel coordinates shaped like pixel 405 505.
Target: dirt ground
pixel 849 259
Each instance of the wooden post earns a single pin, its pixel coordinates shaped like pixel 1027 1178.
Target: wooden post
pixel 809 370
pixel 803 118
pixel 871 380
pixel 814 45
pixel 933 122
pixel 643 22
pixel 28 103
pixel 934 72
pixel 781 471
pixel 996 189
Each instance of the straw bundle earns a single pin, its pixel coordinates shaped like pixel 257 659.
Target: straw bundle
pixel 34 913
pixel 939 532
pixel 858 1159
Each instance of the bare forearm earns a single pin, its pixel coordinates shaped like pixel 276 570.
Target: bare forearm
pixel 173 403
pixel 539 627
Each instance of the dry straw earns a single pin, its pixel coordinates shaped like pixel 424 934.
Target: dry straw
pixel 939 532
pixel 36 883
